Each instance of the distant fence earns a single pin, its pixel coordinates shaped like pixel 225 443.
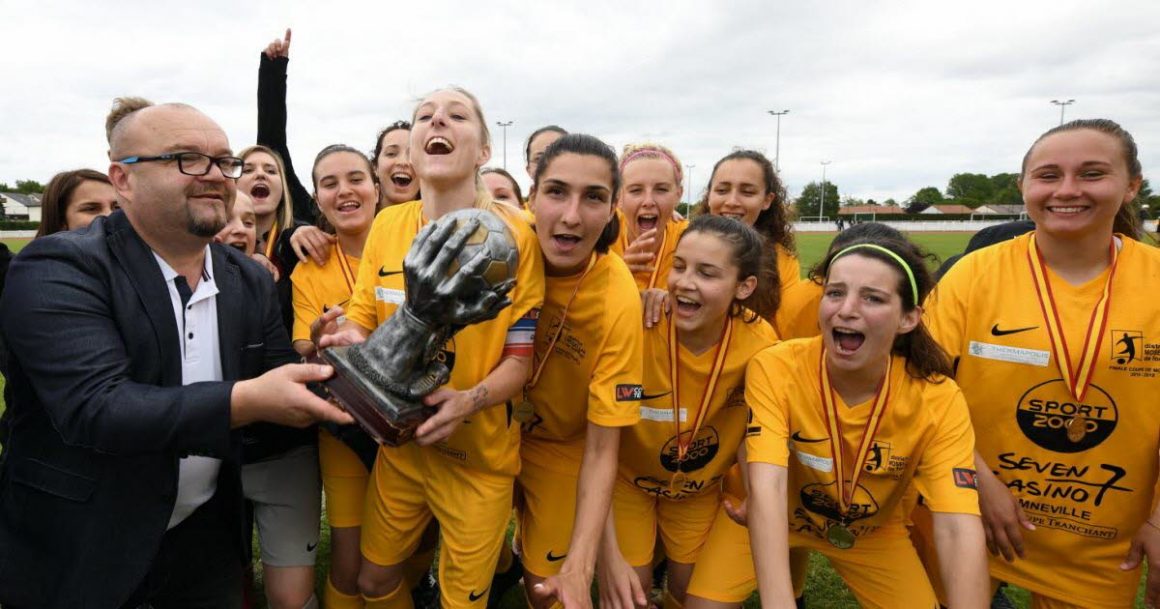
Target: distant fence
pixel 933 226
pixel 17 234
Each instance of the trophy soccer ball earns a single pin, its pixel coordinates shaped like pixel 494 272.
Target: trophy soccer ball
pixel 492 237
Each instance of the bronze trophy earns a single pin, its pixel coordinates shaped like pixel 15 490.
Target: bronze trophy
pixel 458 272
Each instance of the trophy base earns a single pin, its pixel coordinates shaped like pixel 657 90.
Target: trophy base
pixel 386 417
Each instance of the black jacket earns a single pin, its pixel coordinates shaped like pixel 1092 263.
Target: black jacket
pixel 99 417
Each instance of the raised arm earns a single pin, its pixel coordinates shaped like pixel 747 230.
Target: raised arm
pixel 272 120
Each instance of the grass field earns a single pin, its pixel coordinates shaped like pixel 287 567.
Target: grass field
pixel 824 589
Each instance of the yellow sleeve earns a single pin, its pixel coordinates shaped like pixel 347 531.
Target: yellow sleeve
pixel 612 399
pixel 946 470
pixel 361 308
pixel 797 316
pixel 767 433
pixel 945 310
pixel 305 307
pixel 789 269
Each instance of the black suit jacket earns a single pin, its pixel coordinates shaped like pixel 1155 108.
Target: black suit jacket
pixel 99 417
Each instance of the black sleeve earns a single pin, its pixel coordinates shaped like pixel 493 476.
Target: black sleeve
pixel 57 316
pixel 272 129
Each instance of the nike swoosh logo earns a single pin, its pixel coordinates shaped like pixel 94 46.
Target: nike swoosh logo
pixel 797 437
pixel 472 596
pixel 310 546
pixel 995 331
pixel 645 396
pixel 383 272
pixel 554 558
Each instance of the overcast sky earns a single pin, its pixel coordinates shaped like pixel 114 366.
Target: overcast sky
pixel 898 95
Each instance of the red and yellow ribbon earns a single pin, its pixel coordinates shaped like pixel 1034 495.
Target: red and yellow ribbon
pixel 1077 377
pixel 834 425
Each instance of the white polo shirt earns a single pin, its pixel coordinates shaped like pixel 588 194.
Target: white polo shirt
pixel 197 328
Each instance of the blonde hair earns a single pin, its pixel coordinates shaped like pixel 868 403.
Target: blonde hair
pixel 650 150
pixel 285 212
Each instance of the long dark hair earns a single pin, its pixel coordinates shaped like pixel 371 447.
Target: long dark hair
pixel 925 358
pixel 869 232
pixel 54 201
pixel 536 133
pixel 772 224
pixel 586 145
pixel 1126 222
pixel 748 255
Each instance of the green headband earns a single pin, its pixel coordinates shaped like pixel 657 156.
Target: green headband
pixel 902 263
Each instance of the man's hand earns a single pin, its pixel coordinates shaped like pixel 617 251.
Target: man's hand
pixel 309 242
pixel 1003 519
pixel 280 396
pixel 279 47
pixel 572 589
pixel 639 255
pixel 1146 543
pixel 453 406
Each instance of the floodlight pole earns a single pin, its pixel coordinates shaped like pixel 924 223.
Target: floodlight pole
pixel 504 125
pixel 1062 106
pixel 822 205
pixel 777 148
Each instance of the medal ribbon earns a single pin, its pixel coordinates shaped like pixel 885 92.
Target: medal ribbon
pixel 652 279
pixel 706 394
pixel 347 274
pixel 559 329
pixel 837 446
pixel 1077 377
pixel 272 240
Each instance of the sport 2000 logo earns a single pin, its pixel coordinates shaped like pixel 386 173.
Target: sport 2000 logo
pixel 1047 412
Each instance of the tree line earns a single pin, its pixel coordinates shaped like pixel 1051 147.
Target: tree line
pixel 971 190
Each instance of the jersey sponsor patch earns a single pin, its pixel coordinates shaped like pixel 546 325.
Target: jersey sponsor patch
pixel 629 393
pixel 822 464
pixel 389 295
pixel 664 415
pixel 965 478
pixel 1003 353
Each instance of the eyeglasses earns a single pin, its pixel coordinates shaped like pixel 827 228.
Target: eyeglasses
pixel 194 163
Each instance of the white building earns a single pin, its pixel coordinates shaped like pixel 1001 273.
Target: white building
pixel 20 206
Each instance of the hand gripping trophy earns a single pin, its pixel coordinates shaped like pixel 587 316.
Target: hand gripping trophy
pixel 458 272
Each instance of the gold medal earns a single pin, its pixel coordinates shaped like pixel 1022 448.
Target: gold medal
pixel 677 482
pixel 1076 428
pixel 523 411
pixel 840 536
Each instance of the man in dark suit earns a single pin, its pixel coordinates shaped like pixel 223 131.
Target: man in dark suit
pixel 119 480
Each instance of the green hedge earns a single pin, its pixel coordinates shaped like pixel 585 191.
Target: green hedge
pixel 18 225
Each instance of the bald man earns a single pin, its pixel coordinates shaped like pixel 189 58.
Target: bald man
pixel 138 347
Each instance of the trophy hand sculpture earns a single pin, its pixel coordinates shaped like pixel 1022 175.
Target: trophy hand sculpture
pixel 458 272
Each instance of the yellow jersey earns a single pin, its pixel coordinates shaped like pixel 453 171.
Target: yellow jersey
pixel 924 437
pixel 1087 495
pixel 594 372
pixel 318 288
pixel 663 262
pixel 649 449
pixel 486 440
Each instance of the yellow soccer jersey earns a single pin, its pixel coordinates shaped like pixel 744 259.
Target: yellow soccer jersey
pixel 797 317
pixel 648 450
pixel 486 440
pixel 924 437
pixel 598 349
pixel 1087 497
pixel 664 260
pixel 318 288
pixel 789 269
